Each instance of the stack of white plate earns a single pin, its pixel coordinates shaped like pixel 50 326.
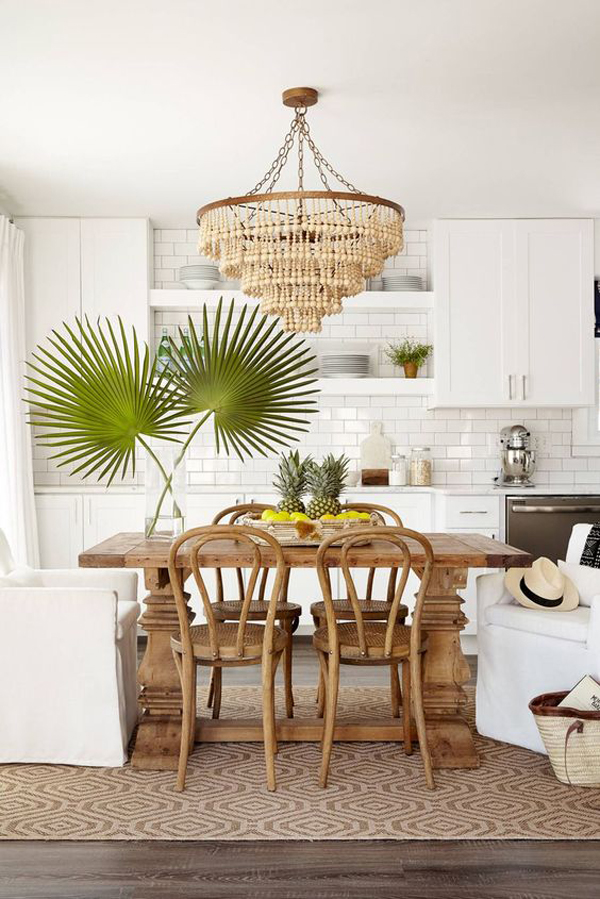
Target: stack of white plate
pixel 402 282
pixel 345 365
pixel 199 277
pixel 375 283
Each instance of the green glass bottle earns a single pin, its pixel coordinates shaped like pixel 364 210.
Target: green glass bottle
pixel 163 354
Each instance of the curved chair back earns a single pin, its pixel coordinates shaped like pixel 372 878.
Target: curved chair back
pixel 383 513
pixel 199 538
pixel 397 537
pixel 235 513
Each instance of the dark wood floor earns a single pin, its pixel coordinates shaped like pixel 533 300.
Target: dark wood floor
pixel 365 870
pixel 320 870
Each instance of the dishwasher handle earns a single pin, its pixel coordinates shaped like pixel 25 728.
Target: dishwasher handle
pixel 521 509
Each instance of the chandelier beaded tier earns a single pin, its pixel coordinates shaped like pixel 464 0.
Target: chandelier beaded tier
pixel 300 252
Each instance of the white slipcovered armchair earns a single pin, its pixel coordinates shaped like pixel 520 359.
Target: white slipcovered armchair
pixel 68 692
pixel 525 652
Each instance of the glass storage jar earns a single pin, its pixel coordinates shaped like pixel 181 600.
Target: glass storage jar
pixel 420 466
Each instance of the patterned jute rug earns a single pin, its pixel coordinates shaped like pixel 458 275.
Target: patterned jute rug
pixel 375 792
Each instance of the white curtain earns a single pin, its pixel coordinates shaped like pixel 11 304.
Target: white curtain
pixel 17 509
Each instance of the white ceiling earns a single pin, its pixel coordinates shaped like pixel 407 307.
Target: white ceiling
pixel 450 107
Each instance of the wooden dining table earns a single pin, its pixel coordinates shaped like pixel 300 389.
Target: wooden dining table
pixel 445 667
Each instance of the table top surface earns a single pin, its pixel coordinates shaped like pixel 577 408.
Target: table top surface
pixel 450 550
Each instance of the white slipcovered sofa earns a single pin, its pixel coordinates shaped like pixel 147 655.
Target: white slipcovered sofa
pixel 525 652
pixel 68 691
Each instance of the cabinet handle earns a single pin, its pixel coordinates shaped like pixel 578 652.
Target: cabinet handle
pixel 523 385
pixel 476 512
pixel 510 396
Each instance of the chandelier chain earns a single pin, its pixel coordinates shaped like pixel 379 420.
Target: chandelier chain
pixel 300 130
pixel 278 163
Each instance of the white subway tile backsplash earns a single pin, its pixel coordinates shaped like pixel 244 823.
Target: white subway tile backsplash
pixel 464 442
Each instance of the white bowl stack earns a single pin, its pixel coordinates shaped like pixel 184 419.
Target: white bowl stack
pixel 199 277
pixel 397 281
pixel 345 365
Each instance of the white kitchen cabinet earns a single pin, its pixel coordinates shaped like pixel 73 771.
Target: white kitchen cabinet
pixel 469 514
pixel 93 267
pixel 60 529
pixel 52 274
pixel 415 510
pixel 514 301
pixel 554 266
pixel 105 514
pixel 115 271
pixel 201 508
pixel 474 305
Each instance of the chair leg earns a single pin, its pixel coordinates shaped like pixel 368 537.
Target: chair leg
pixel 320 697
pixel 395 690
pixel 408 747
pixel 417 691
pixel 194 703
pixel 333 680
pixel 211 689
pixel 187 671
pixel 322 691
pixel 217 682
pixel 287 670
pixel 269 732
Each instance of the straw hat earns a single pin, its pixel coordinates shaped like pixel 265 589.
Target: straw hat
pixel 543 586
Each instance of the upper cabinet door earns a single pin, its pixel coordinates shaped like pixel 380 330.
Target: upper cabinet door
pixel 52 275
pixel 115 266
pixel 474 312
pixel 555 306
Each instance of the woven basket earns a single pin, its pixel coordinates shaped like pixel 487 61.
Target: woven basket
pixel 290 533
pixel 571 738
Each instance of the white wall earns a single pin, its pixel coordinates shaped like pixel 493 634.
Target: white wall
pixel 464 442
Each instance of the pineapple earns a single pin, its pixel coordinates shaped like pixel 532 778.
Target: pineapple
pixel 326 482
pixel 291 482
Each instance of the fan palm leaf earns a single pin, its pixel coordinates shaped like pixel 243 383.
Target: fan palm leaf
pixel 94 394
pixel 251 377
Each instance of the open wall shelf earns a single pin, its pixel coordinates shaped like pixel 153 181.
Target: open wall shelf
pixel 376 386
pixel 182 300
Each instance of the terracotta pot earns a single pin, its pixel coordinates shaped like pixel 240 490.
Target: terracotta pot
pixel 410 369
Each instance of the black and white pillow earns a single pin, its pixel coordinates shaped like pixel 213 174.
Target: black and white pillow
pixel 590 555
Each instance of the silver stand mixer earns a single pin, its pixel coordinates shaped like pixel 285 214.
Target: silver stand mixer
pixel 517 459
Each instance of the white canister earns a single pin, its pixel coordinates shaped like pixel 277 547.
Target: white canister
pixel 398 471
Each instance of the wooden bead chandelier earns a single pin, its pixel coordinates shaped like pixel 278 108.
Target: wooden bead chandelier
pixel 300 252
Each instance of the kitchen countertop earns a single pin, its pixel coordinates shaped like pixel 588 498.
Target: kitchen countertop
pixel 466 490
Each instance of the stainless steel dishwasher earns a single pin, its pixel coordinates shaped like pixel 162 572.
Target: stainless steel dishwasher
pixel 542 525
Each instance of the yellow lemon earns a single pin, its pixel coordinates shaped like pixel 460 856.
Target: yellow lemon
pixel 267 515
pixel 352 514
pixel 327 517
pixel 364 516
pixel 299 516
pixel 280 516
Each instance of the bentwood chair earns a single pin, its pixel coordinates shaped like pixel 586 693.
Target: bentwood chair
pixel 372 609
pixel 364 642
pixel 218 644
pixel 288 613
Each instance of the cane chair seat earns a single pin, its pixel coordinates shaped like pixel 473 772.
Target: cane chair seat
pixel 230 610
pixel 226 639
pixel 374 638
pixel 372 609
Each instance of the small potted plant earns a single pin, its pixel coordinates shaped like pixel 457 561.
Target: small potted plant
pixel 410 354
